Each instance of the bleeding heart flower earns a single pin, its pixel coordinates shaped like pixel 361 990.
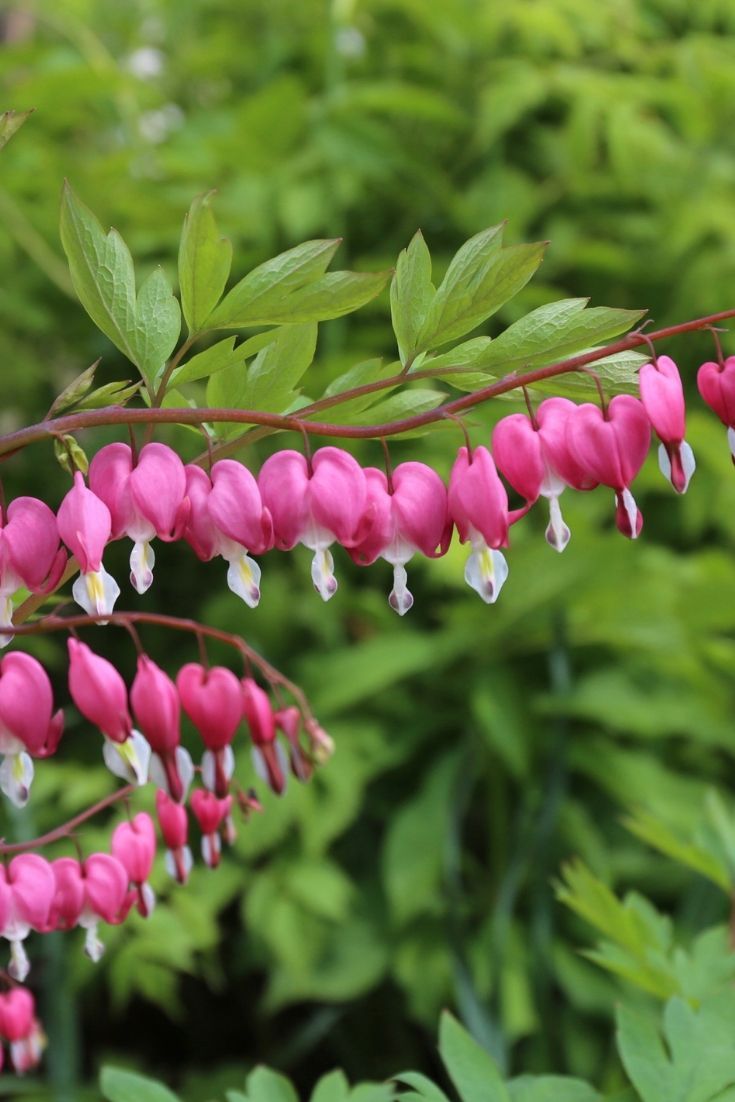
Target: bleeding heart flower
pixel 212 699
pixel 134 846
pixel 716 384
pixel 211 813
pixel 85 525
pixel 27 889
pixel 30 555
pixel 156 707
pixel 29 728
pixel 663 400
pixel 174 824
pixel 409 514
pixel 315 504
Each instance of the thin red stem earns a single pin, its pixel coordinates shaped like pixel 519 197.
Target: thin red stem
pixel 118 415
pixel 66 829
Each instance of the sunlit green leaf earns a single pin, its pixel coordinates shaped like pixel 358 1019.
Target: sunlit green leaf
pixel 118 1085
pixel 205 259
pixel 471 1069
pixel 411 294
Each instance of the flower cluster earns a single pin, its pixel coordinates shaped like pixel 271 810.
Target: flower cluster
pixel 20 1029
pixel 330 499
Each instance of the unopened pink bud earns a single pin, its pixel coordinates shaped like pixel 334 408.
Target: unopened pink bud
pixel 98 691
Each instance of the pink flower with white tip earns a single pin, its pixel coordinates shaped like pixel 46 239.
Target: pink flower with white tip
pixel 30 555
pixel 612 446
pixel 478 505
pixel 212 699
pixel 531 452
pixel 156 707
pixel 716 384
pixel 316 503
pixel 211 813
pixel 174 824
pixel 20 1027
pixel 146 499
pixel 663 400
pixel 85 525
pixel 27 889
pixel 99 693
pixel 288 720
pixel 134 846
pixel 228 519
pixel 29 728
pixel 269 758
pixel 409 514
pixel 106 898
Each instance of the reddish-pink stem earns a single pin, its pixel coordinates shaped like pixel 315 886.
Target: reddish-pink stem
pixel 66 829
pixel 118 415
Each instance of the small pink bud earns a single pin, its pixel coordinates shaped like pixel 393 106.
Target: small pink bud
pixel 134 845
pixel 156 708
pixel 174 823
pixel 211 813
pixel 98 691
pixel 662 395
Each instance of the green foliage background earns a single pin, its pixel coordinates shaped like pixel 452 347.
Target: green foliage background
pixel 478 748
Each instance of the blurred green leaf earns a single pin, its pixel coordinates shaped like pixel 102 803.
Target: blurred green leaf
pixel 118 1085
pixel 10 122
pixel 332 1087
pixel 471 1068
pixel 264 1085
pixel 551 1088
pixel 205 259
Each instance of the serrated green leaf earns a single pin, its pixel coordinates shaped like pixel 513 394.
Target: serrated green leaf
pixel 272 282
pixel 552 332
pixel 471 1069
pixel 118 1085
pixel 74 391
pixel 10 122
pixel 411 294
pixel 480 279
pixel 277 369
pixel 145 328
pixel 651 830
pixel 205 259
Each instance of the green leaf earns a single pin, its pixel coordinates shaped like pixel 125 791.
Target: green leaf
pixel 331 296
pixel 618 374
pixel 205 260
pixel 369 371
pixel 213 359
pixel 551 1088
pixel 332 1087
pixel 407 403
pixel 145 328
pixel 470 1067
pixel 411 294
pixel 657 834
pixel 422 1085
pixel 276 370
pixel 697 1061
pixel 553 332
pixel 272 282
pixel 264 1085
pixel 479 280
pixel 157 324
pixel 118 1085
pixel 10 121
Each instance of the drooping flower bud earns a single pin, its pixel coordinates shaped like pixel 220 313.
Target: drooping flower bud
pixel 478 505
pixel 662 395
pixel 288 720
pixel 85 526
pixel 174 824
pixel 20 1027
pixel 28 726
pixel 134 845
pixel 156 707
pixel 268 755
pixel 106 898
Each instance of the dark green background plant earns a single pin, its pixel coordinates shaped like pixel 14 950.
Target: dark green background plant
pixel 478 748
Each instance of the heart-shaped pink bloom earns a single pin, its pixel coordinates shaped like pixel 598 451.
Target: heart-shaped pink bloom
pixel 29 547
pixel 27 889
pixel 134 845
pixel 552 417
pixel 716 384
pixel 98 691
pixel 211 813
pixel 228 518
pixel 29 728
pixel 315 505
pixel 612 447
pixel 212 699
pixel 68 902
pixel 409 514
pixel 145 500
pixel 156 708
pixel 662 395
pixel 105 888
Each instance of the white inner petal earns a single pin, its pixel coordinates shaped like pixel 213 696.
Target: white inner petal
pixel 129 760
pixel 401 598
pixel 243 578
pixel 557 533
pixel 322 573
pixel 485 572
pixel 96 592
pixel 16 775
pixel 142 561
